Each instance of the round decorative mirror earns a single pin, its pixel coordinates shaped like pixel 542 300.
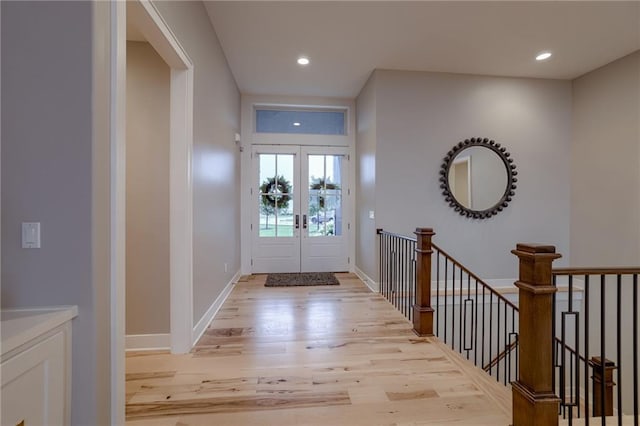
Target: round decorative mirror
pixel 477 178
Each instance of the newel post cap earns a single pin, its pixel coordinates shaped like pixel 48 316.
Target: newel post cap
pixel 535 274
pixel 527 250
pixel 425 231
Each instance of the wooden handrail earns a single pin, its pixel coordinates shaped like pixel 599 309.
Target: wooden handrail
pixel 570 349
pixel 380 231
pixel 475 277
pixel 596 271
pixel 500 356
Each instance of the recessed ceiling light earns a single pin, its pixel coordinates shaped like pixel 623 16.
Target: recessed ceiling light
pixel 296 124
pixel 303 60
pixel 542 56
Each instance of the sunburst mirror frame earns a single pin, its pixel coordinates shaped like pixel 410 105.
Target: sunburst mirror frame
pixel 509 191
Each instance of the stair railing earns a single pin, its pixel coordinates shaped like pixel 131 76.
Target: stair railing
pixel 596 354
pixel 475 319
pixel 566 361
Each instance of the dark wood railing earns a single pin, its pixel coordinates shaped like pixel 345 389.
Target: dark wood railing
pixel 598 340
pixel 475 318
pixel 415 273
pixel 397 270
pixel 558 364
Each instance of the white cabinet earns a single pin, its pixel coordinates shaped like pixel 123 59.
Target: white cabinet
pixel 36 366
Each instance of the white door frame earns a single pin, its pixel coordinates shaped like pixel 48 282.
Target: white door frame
pixel 155 30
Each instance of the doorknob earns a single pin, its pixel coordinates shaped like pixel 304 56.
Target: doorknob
pixel 297 221
pixel 304 221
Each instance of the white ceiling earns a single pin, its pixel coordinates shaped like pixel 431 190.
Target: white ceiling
pixel 346 40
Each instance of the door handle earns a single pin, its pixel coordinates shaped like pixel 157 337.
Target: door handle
pixel 297 221
pixel 304 221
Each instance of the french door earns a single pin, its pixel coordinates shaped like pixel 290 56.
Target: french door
pixel 299 219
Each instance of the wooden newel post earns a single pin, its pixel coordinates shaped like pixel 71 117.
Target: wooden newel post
pixel 422 310
pixel 602 402
pixel 534 402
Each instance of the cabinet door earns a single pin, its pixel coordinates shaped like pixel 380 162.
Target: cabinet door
pixel 33 384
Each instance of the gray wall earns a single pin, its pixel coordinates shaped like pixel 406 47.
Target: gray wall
pixel 216 160
pixel 49 169
pixel 605 166
pixel 148 93
pixel 47 178
pixel 366 178
pixel 605 193
pixel 420 116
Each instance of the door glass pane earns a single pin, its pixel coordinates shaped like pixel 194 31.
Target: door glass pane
pixel 325 195
pixel 276 195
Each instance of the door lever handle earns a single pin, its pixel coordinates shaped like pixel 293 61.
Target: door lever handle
pixel 297 221
pixel 304 221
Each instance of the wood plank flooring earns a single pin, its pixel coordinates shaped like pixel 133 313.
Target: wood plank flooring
pixel 328 355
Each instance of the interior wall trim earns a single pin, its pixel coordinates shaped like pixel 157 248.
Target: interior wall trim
pixel 208 316
pixel 148 342
pixel 370 282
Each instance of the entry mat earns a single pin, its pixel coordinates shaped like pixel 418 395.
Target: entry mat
pixel 301 279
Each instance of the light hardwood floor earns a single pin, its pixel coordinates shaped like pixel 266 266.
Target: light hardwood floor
pixel 330 355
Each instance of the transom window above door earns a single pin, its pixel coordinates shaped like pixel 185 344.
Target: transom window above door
pixel 301 121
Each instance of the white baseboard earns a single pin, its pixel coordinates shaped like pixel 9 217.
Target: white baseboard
pixel 206 319
pixel 147 342
pixel 371 283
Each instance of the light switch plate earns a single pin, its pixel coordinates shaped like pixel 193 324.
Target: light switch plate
pixel 30 234
pixel 372 214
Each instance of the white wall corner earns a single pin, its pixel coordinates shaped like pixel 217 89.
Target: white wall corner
pixel 208 316
pixel 148 342
pixel 370 282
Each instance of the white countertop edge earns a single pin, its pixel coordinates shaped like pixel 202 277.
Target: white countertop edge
pixel 33 323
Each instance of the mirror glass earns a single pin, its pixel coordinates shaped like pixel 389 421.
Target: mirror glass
pixel 477 178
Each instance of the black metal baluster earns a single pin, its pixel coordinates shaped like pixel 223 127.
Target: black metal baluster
pixel 635 349
pixel 602 348
pixel 587 415
pixel 576 332
pixel 453 304
pixel 386 268
pixel 484 317
pixel 401 277
pixel 498 340
pixel 468 343
pixel 446 288
pixel 407 267
pixel 619 344
pixel 506 343
pixel 475 326
pixel 396 273
pixel 490 333
pixel 571 390
pixel 460 346
pixel 384 271
pixel 515 343
pixel 412 287
pixel 388 273
pixel 437 292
